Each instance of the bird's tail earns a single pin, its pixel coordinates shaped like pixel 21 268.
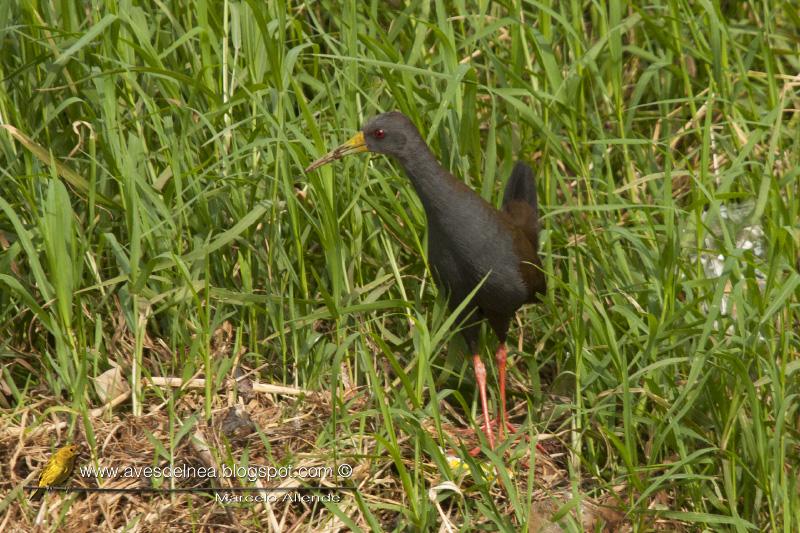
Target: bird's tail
pixel 520 202
pixel 521 187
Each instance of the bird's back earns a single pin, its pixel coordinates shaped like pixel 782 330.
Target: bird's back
pixel 469 239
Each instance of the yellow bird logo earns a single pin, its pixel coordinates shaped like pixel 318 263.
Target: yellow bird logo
pixel 57 470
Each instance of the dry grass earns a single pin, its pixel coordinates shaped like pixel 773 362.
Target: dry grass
pixel 267 429
pixel 257 428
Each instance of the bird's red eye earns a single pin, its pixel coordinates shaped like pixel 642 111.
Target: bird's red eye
pixel 379 134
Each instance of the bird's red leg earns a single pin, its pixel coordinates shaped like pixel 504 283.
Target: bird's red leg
pixel 500 356
pixel 480 377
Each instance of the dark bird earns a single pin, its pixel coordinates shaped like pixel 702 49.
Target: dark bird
pixel 469 241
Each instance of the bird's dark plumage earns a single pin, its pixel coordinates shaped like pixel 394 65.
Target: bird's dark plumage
pixel 469 240
pixel 521 189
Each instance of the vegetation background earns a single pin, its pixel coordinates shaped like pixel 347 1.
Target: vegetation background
pixel 154 218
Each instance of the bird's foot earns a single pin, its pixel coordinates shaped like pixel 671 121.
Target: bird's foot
pixel 511 428
pixel 475 452
pixel 494 425
pixel 514 436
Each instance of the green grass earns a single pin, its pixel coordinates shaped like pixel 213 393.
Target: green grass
pixel 152 191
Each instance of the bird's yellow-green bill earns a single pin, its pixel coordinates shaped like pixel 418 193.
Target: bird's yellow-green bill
pixel 355 145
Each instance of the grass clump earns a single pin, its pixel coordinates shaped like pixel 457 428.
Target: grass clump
pixel 154 218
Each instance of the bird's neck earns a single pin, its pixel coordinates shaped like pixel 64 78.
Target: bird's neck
pixel 435 186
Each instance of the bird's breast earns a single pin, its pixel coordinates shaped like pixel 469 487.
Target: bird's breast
pixel 468 252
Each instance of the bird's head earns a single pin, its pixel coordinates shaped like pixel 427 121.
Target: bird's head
pixel 70 450
pixel 388 133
